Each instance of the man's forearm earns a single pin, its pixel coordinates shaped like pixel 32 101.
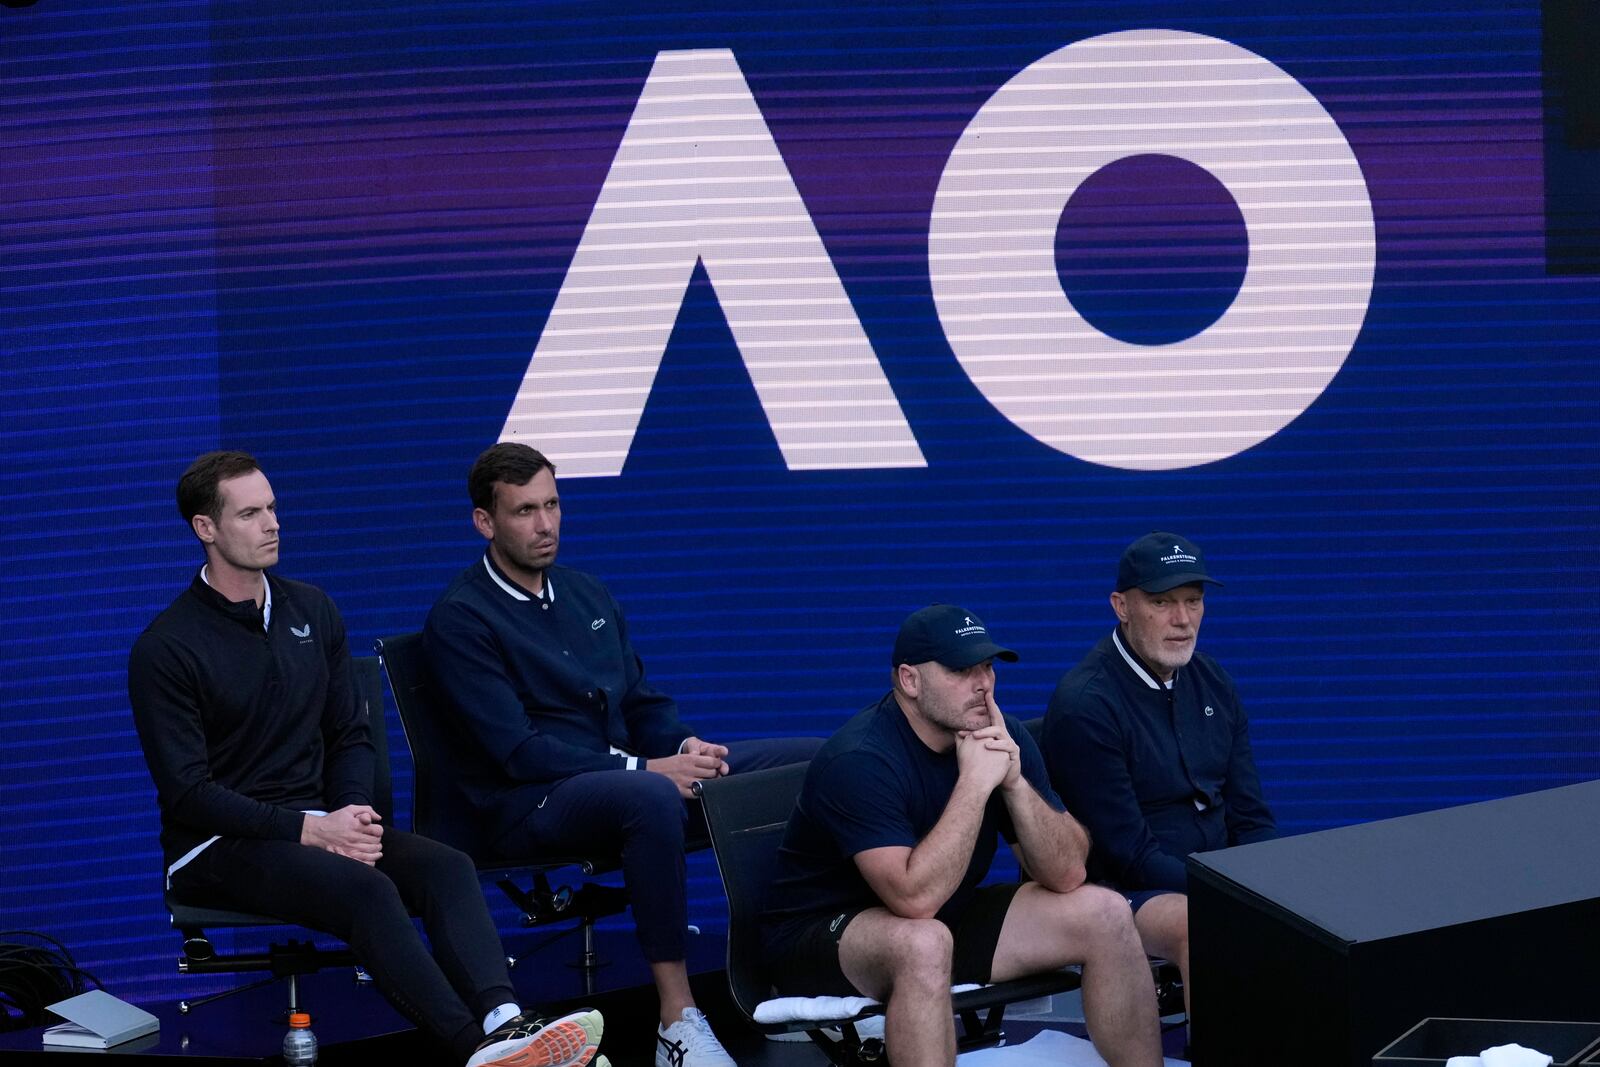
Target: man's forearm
pixel 349 772
pixel 936 865
pixel 216 809
pixel 1053 844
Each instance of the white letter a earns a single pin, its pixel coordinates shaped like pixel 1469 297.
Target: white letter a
pixel 698 178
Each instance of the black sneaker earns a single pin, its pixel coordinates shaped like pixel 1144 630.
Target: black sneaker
pixel 530 1041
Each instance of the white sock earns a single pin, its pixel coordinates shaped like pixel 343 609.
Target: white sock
pixel 501 1015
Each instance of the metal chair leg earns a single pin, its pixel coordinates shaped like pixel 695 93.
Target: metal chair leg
pixel 185 1006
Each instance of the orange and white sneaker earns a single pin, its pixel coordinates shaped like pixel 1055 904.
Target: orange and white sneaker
pixel 529 1041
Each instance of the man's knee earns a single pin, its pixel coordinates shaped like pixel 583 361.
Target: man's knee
pixel 1164 922
pixel 1168 911
pixel 1100 906
pixel 746 756
pixel 374 899
pixel 1096 914
pixel 651 804
pixel 880 953
pixel 1180 919
pixel 439 867
pixel 920 949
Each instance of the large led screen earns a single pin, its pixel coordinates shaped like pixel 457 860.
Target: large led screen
pixel 825 312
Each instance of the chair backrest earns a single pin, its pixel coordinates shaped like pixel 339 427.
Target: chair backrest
pixel 368 684
pixel 439 809
pixel 748 814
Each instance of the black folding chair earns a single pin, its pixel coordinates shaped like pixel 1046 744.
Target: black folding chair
pixel 440 810
pixel 286 959
pixel 748 815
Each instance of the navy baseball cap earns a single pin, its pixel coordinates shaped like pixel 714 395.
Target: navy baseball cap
pixel 951 636
pixel 1161 561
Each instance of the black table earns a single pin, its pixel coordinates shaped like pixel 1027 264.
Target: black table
pixel 1320 949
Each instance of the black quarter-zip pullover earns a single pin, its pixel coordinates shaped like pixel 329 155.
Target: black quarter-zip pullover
pixel 244 728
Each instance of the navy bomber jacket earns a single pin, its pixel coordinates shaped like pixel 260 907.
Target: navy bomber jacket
pixel 1153 773
pixel 546 686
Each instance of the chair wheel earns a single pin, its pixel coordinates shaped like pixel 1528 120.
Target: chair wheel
pixel 1169 997
pixel 871 1051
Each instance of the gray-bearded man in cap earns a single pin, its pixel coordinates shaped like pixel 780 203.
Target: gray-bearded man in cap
pixel 1148 743
pixel 877 889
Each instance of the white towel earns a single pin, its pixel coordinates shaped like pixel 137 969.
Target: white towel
pixel 811 1009
pixel 820 1009
pixel 1512 1055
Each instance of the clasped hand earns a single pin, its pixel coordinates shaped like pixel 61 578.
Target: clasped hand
pixel 989 753
pixel 352 831
pixel 696 760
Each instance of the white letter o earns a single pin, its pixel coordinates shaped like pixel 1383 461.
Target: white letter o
pixel 1299 188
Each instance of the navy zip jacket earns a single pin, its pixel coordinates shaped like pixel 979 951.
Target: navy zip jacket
pixel 1153 773
pixel 244 728
pixel 546 687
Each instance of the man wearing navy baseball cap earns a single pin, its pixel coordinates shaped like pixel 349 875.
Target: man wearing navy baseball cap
pixel 877 888
pixel 1147 741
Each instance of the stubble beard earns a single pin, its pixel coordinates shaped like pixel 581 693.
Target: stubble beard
pixel 530 560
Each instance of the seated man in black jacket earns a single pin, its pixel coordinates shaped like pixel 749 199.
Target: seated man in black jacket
pixel 263 769
pixel 1148 745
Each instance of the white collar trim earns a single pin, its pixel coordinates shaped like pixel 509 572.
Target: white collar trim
pixel 1136 666
pixel 515 593
pixel 266 604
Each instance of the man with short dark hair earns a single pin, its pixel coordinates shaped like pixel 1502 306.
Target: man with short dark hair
pixel 578 752
pixel 263 767
pixel 1147 741
pixel 877 888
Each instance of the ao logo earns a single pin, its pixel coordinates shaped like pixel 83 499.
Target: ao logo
pixel 698 178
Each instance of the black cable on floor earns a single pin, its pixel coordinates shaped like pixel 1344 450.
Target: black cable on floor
pixel 36 970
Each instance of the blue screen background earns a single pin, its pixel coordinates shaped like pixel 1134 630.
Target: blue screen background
pixel 331 233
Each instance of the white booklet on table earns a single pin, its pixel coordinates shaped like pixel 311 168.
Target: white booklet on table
pixel 97 1019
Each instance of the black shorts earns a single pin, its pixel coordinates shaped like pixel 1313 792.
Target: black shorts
pixel 1138 898
pixel 809 964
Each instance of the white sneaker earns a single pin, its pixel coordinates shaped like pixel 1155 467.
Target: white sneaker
pixel 689 1042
